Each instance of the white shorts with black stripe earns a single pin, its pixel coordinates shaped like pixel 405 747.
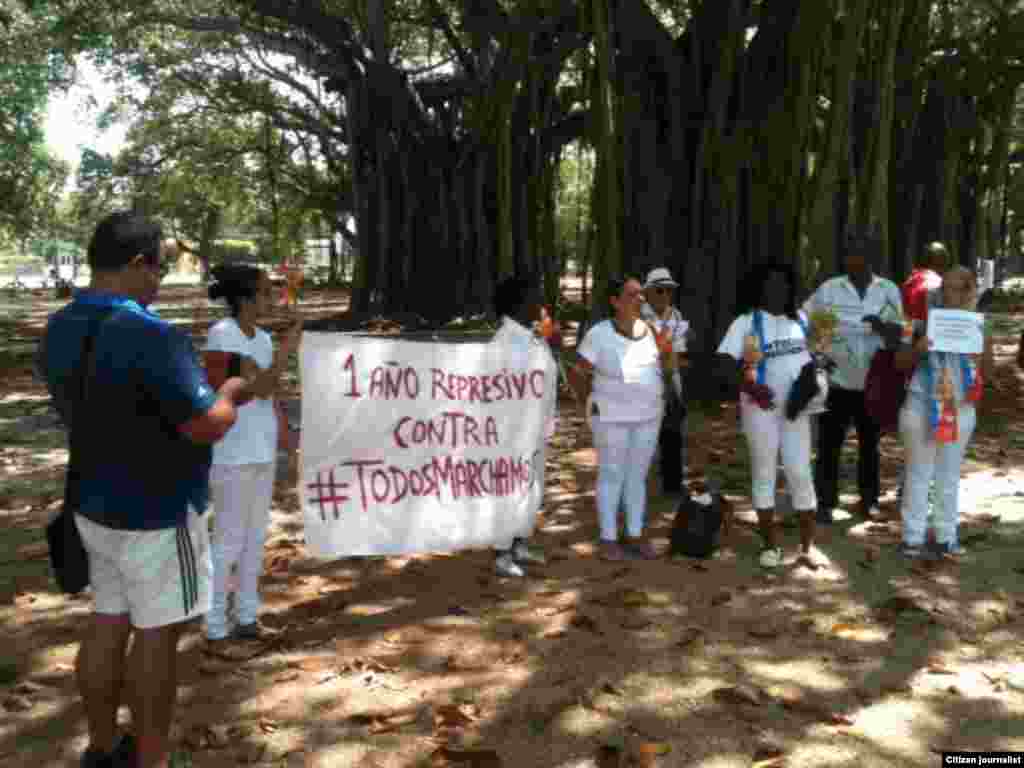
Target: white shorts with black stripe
pixel 157 577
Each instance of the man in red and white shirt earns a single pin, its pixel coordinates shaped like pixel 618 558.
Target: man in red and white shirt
pixel 924 280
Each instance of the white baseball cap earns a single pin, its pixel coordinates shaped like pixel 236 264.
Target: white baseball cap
pixel 660 277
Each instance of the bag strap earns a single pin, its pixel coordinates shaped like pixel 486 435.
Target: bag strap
pixel 762 367
pixel 82 375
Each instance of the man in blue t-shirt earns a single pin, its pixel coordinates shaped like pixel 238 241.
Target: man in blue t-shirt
pixel 141 458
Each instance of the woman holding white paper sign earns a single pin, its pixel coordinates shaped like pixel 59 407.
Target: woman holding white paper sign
pixel 937 422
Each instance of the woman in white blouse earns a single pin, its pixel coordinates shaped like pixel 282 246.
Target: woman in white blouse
pixel 621 358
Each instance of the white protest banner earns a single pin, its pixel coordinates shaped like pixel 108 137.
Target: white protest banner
pixel 954 330
pixel 413 446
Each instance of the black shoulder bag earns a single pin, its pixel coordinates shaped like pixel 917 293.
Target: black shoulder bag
pixel 68 557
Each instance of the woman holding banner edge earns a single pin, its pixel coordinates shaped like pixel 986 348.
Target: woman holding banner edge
pixel 517 305
pixel 622 359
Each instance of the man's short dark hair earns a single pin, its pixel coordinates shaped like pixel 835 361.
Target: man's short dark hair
pixel 867 243
pixel 511 295
pixel 122 236
pixel 935 256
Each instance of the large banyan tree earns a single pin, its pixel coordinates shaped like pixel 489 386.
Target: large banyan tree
pixel 724 131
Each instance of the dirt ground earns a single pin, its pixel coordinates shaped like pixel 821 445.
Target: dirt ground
pixel 432 660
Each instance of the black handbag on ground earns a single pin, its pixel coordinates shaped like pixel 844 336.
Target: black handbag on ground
pixel 68 558
pixel 697 528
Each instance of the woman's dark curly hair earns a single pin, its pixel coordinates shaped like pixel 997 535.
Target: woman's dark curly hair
pixel 752 287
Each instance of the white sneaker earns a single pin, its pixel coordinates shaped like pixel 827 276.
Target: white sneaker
pixel 523 553
pixel 771 558
pixel 505 565
pixel 812 559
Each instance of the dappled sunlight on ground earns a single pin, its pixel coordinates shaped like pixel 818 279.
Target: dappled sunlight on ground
pixel 870 661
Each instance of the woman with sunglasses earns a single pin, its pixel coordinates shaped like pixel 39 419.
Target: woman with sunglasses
pixel 670 325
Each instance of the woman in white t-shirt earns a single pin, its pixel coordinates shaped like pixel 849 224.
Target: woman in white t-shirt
pixel 771 328
pixel 242 477
pixel 626 405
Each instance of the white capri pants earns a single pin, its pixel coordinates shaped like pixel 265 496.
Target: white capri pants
pixel 927 460
pixel 770 433
pixel 624 453
pixel 241 500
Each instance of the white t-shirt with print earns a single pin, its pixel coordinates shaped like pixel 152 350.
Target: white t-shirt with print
pixel 674 322
pixel 785 348
pixel 628 384
pixel 855 345
pixel 253 438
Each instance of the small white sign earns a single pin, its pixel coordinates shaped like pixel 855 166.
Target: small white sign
pixel 954 330
pixel 851 316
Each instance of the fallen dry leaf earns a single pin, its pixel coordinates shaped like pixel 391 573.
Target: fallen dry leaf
pixel 455 715
pixel 636 622
pixel 582 621
pixel 609 756
pixel 267 726
pixel 839 720
pixel 385 722
pixel 646 753
pixel 217 736
pixel 737 694
pixel 470 758
pixel 252 752
pixel 633 597
pixel 18 703
pixel 34 551
pixel 689 637
pixel 199 737
pixel 239 731
pixel 721 598
pixel 314 663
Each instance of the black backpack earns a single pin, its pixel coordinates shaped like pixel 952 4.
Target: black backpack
pixel 697 528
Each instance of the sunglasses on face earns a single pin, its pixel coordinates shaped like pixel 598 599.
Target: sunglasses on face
pixel 660 291
pixel 157 265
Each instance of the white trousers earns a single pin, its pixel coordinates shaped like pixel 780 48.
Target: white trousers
pixel 770 433
pixel 241 501
pixel 624 453
pixel 927 460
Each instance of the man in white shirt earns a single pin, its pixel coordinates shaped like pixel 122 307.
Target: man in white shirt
pixel 870 313
pixel 659 312
pixel 517 304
